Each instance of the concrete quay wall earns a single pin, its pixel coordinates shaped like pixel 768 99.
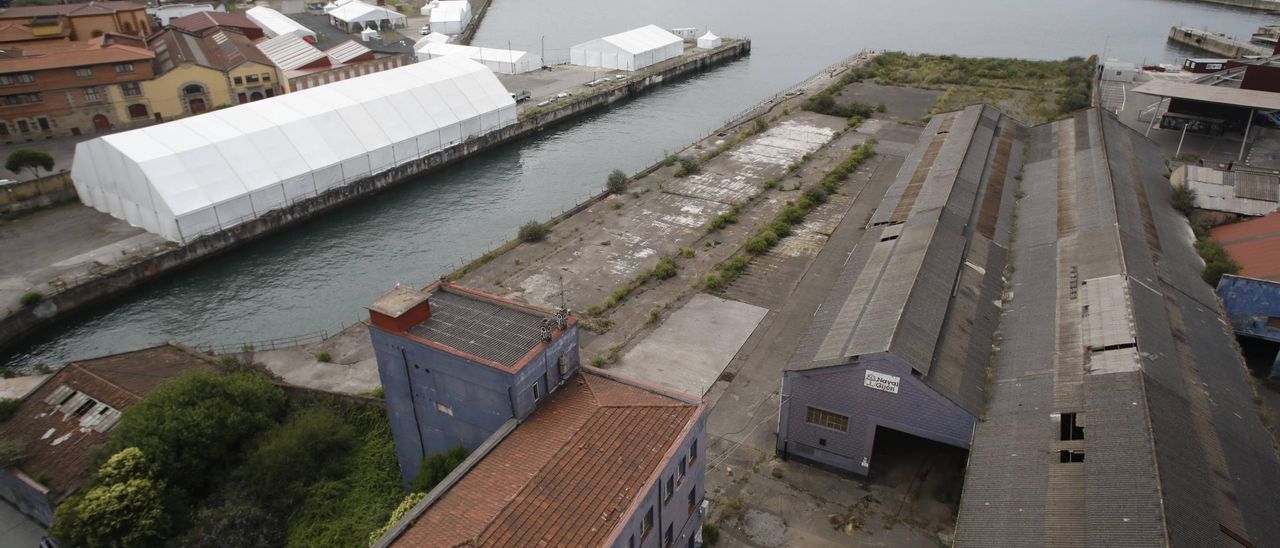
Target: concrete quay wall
pixel 1270 5
pixel 1216 43
pixel 67 301
pixel 46 191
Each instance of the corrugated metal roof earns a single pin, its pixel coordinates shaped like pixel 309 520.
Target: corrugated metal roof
pixel 495 331
pixel 290 51
pixel 346 51
pixel 1211 94
pixel 1174 450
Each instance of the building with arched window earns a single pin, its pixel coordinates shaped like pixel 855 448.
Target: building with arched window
pixel 198 71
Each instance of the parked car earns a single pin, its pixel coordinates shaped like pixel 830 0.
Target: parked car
pixel 426 29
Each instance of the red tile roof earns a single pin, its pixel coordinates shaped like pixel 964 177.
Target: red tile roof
pixel 221 50
pixel 58 448
pixel 72 10
pixel 566 475
pixel 70 54
pixel 198 22
pixel 1255 244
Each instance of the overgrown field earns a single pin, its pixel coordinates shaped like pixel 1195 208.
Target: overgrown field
pixel 1031 91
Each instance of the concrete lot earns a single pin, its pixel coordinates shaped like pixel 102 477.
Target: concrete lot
pixel 50 248
pixel 545 83
pixel 352 368
pixel 691 348
pixel 18 387
pixel 17 530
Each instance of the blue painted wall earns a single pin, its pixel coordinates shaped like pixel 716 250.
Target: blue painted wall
pixel 437 400
pixel 916 409
pixel 1251 304
pixel 674 512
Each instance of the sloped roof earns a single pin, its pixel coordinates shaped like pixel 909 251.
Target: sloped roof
pixel 275 23
pixel 347 51
pixel 70 10
pixel 1108 319
pixel 360 12
pixel 219 50
pixel 446 11
pixel 640 40
pixel 289 52
pixel 923 283
pixel 1255 244
pixel 566 475
pixel 198 22
pixel 68 54
pixel 58 446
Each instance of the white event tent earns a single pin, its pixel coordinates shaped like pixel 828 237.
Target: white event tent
pixel 431 38
pixel 501 61
pixel 274 23
pixel 631 50
pixel 709 40
pixel 450 16
pixel 357 15
pixel 206 173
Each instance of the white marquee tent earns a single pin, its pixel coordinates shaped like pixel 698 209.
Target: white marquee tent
pixel 501 61
pixel 450 16
pixel 206 173
pixel 359 15
pixel 709 40
pixel 274 23
pixel 432 38
pixel 631 50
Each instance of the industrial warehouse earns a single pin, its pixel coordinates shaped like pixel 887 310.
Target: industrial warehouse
pixel 204 174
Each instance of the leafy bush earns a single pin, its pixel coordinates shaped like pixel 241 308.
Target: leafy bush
pixel 233 519
pixel 400 511
pixel 665 269
pixel 28 158
pixel 1216 260
pixel 710 534
pixel 617 182
pixel 127 509
pixel 194 427
pixel 533 231
pixel 670 160
pixel 1183 199
pixel 324 357
pixel 12 452
pixel 311 446
pixel 686 252
pixel 31 297
pixel 756 246
pixel 688 166
pixel 9 407
pixel 719 221
pixel 436 467
pixel 816 194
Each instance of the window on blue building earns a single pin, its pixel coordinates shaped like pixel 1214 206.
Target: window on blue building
pixel 693 451
pixel 671 489
pixel 646 524
pixel 669 538
pixel 683 468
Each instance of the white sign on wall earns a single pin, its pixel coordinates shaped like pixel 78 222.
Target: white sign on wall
pixel 880 381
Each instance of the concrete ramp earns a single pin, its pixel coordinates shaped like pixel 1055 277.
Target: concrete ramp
pixel 690 349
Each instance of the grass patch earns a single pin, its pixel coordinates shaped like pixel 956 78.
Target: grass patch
pixel 31 297
pixel 1216 260
pixel 324 357
pixel 533 231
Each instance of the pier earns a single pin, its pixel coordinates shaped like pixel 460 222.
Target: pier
pixel 1215 42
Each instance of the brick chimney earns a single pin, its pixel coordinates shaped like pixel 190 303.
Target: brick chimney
pixel 400 309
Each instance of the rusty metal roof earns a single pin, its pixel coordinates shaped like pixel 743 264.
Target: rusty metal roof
pixel 482 326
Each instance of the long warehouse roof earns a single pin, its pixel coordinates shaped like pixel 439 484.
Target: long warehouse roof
pixel 1221 95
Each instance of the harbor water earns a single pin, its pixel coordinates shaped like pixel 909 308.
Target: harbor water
pixel 320 274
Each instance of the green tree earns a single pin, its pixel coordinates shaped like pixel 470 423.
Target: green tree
pixel 617 182
pixel 125 508
pixel 196 426
pixel 434 468
pixel 312 445
pixel 233 520
pixel 29 158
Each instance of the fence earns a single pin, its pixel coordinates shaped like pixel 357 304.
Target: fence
pixel 36 193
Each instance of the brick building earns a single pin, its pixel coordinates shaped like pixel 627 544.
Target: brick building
pixel 303 65
pixel 70 89
pixel 201 70
pixel 562 455
pixel 87 20
pixel 198 23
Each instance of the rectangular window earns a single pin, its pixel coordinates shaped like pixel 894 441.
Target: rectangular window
pixel 266 77
pixel 32 98
pixel 826 419
pixel 1071 427
pixel 646 524
pixel 671 489
pixel 1065 456
pixel 91 94
pixel 251 79
pixel 124 68
pixel 238 80
pixel 44 123
pixel 137 110
pixel 84 73
pixel 444 409
pixel 670 537
pixel 6 80
pixel 693 498
pixel 26 79
pixel 536 394
pixel 693 451
pixel 23 126
pixel 683 468
pixel 130 89
pixel 4 128
pixel 12 100
pixel 631 542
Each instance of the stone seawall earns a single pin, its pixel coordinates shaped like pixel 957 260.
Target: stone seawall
pixel 98 290
pixel 46 191
pixel 1215 42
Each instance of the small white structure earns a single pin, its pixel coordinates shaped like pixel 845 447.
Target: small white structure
pixel 169 12
pixel 500 61
pixel 203 174
pixel 1115 71
pixel 274 23
pixel 356 15
pixel 631 50
pixel 450 16
pixel 709 40
pixel 688 34
pixel 368 35
pixel 432 38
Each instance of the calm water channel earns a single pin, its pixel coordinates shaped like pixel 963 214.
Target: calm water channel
pixel 320 274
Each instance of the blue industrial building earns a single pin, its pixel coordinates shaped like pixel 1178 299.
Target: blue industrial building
pixel 1253 306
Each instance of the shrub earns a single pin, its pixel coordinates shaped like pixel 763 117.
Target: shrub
pixel 405 505
pixel 1183 199
pixel 436 467
pixel 12 452
pixel 756 246
pixel 126 508
pixel 688 166
pixel 233 519
pixel 686 252
pixel 719 221
pixel 760 125
pixel 31 297
pixel 1216 260
pixel 598 361
pixel 710 534
pixel 733 509
pixel 324 357
pixel 816 194
pixel 312 445
pixel 533 231
pixel 670 160
pixel 617 182
pixel 29 158
pixel 9 407
pixel 194 427
pixel 713 282
pixel 665 269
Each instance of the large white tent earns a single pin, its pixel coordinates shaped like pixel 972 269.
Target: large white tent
pixel 631 50
pixel 206 173
pixel 501 61
pixel 356 15
pixel 431 38
pixel 450 16
pixel 274 23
